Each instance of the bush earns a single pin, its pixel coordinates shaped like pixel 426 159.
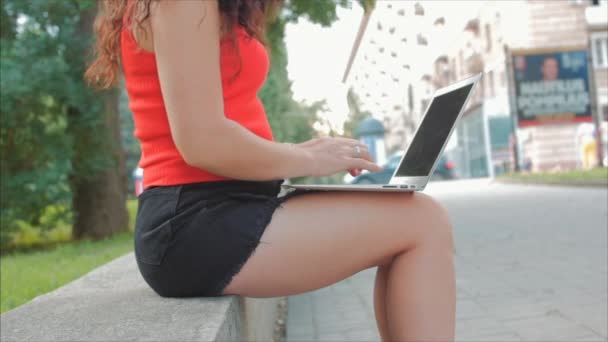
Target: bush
pixel 54 226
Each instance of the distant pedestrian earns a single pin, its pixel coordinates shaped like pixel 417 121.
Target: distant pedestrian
pixel 586 139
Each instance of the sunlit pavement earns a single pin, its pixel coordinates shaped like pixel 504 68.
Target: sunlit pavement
pixel 531 265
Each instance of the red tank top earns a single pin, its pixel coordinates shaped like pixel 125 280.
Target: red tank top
pixel 243 74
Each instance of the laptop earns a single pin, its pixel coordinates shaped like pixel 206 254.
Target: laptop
pixel 420 159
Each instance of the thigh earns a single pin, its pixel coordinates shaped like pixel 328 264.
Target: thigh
pixel 317 239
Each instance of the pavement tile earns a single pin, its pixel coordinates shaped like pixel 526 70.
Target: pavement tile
pixel 482 326
pixel 548 328
pixel 467 308
pixel 295 337
pixel 332 337
pixel 509 308
pixel 366 335
pixel 594 338
pixel 487 338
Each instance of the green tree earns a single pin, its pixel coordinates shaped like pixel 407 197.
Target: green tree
pixel 59 139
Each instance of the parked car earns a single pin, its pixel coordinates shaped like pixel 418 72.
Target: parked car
pixel 443 171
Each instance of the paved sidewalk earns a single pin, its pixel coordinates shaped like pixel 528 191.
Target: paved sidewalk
pixel 531 264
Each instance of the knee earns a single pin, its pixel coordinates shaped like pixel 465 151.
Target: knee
pixel 436 227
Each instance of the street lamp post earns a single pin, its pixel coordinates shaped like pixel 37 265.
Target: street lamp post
pixel 512 104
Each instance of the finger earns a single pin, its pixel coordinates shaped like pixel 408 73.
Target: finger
pixel 363 154
pixel 365 165
pixel 347 141
pixel 367 156
pixel 354 152
pixel 308 143
pixel 361 147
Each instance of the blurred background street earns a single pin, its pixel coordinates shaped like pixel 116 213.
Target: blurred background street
pixel 531 264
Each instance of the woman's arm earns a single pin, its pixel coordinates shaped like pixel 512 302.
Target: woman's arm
pixel 186 38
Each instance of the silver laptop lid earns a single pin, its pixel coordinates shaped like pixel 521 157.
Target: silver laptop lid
pixel 433 133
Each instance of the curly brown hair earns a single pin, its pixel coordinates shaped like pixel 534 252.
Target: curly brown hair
pixel 104 70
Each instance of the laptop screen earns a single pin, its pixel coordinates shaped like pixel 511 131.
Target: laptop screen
pixel 433 133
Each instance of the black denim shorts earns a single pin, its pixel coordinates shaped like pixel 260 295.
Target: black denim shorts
pixel 191 239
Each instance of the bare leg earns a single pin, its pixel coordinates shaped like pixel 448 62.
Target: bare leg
pixel 380 300
pixel 322 238
pixel 381 297
pixel 422 282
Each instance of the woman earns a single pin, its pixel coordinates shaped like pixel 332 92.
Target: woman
pixel 210 222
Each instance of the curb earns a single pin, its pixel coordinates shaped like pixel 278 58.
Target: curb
pixel 586 184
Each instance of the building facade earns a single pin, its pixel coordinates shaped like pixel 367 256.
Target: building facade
pixel 487 133
pixel 555 24
pixel 407 50
pixel 396 45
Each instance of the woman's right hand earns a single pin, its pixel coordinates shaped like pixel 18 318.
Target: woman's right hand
pixel 331 155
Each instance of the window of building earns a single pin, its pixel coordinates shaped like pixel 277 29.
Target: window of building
pixel 599 49
pixel 422 39
pixel 410 97
pixel 488 38
pixel 418 9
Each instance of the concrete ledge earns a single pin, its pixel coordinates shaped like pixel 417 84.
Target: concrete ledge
pixel 113 303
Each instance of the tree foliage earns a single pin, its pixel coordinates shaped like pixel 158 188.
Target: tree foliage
pixel 55 135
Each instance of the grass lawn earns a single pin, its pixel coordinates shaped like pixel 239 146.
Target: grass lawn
pixel 597 176
pixel 25 275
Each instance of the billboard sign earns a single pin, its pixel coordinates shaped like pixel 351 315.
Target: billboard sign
pixel 551 87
